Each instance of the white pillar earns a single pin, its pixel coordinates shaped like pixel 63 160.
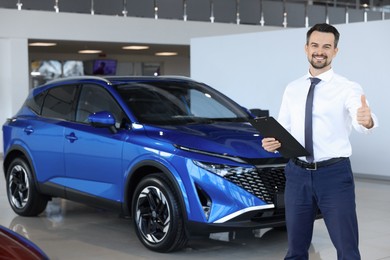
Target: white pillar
pixel 14 78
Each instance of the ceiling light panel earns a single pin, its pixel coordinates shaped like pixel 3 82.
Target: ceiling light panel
pixel 89 51
pixel 135 47
pixel 166 53
pixel 42 44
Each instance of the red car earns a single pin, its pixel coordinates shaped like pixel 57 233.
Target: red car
pixel 16 247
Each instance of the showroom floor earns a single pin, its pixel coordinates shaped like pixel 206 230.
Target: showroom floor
pixel 68 230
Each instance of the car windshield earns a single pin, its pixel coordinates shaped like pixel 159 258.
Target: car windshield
pixel 176 102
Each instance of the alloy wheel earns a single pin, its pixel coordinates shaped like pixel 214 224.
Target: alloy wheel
pixel 153 215
pixel 19 187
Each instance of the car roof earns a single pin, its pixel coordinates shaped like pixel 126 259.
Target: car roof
pixel 108 81
pixel 112 80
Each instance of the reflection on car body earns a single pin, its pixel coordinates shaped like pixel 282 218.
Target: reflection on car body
pixel 15 246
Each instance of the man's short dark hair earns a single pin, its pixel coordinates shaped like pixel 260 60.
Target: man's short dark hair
pixel 324 27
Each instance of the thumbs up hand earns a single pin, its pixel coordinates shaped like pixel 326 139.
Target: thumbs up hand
pixel 364 114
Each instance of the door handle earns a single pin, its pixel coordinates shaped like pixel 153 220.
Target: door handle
pixel 29 130
pixel 71 137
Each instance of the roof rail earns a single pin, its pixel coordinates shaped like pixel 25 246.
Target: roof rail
pixel 78 78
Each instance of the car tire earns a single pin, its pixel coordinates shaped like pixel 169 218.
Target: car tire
pixel 157 216
pixel 21 190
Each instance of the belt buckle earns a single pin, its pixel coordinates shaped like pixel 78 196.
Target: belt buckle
pixel 312 168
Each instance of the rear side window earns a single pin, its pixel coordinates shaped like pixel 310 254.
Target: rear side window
pixel 35 103
pixel 59 102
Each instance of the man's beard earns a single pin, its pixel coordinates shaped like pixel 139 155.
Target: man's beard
pixel 319 65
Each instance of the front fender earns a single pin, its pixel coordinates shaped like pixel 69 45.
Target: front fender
pixel 148 165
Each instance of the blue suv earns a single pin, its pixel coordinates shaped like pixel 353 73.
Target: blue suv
pixel 176 155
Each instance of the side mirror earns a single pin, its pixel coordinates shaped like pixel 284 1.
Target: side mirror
pixel 102 119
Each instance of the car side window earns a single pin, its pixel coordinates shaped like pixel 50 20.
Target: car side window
pixel 59 102
pixel 94 98
pixel 35 103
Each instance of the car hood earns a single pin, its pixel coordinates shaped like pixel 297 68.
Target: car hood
pixel 238 139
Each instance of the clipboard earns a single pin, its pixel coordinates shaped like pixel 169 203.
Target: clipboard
pixel 269 127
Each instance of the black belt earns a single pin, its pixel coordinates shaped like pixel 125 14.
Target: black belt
pixel 315 165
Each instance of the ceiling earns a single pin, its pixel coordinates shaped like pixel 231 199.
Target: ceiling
pixel 70 47
pixel 108 48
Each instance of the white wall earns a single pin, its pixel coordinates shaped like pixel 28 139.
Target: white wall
pixel 13 67
pixel 254 69
pixel 103 28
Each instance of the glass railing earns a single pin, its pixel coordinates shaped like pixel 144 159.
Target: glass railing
pixel 286 13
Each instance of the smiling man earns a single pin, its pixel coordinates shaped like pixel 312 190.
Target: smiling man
pixel 319 110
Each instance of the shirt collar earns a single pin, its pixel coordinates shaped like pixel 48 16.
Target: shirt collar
pixel 326 76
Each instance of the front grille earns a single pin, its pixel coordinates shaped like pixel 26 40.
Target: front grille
pixel 264 183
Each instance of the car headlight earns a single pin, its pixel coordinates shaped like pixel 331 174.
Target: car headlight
pixel 223 169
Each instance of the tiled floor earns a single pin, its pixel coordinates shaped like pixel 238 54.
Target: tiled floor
pixel 69 230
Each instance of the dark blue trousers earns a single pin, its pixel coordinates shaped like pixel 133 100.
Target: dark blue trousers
pixel 330 189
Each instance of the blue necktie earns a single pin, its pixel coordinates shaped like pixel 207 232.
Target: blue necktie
pixel 308 120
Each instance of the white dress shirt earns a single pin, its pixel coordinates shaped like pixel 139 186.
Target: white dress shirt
pixel 336 100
